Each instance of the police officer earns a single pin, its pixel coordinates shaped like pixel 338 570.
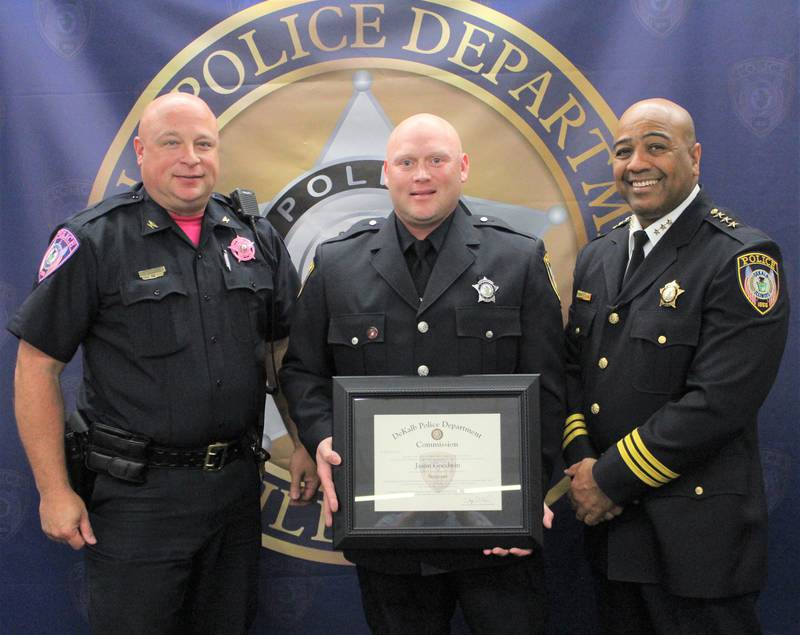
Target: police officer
pixel 429 291
pixel 172 296
pixel 675 333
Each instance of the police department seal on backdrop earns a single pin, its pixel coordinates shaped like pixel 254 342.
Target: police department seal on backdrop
pixel 306 93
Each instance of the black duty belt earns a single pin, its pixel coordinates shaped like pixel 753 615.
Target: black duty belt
pixel 210 458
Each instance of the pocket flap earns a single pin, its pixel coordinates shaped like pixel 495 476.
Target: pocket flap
pixel 488 323
pixel 666 328
pixel 151 290
pixel 356 329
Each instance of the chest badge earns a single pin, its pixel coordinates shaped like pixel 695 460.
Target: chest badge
pixel 669 294
pixel 243 249
pixel 486 289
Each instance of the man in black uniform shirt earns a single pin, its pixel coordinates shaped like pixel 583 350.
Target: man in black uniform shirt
pixel 173 299
pixel 429 291
pixel 676 331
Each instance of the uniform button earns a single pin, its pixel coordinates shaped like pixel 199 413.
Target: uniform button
pixel 354 341
pixel 219 383
pixel 213 339
pixel 422 327
pixel 157 292
pixel 595 408
pixel 373 222
pixel 489 335
pixel 602 362
pixel 206 297
pixel 199 256
pixel 423 371
pixel 698 490
pixel 372 332
pixel 484 219
pixel 613 318
pixel 662 339
pixel 577 330
pixel 253 284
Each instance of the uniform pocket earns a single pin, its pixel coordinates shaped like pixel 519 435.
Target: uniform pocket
pixel 488 339
pixel 248 296
pixel 357 341
pixel 663 345
pixel 157 308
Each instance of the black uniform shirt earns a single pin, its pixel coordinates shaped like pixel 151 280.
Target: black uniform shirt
pixel 173 335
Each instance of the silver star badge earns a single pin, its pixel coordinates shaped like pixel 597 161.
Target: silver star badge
pixel 486 289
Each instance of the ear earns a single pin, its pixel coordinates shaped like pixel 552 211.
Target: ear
pixel 138 147
pixel 694 152
pixel 385 173
pixel 464 167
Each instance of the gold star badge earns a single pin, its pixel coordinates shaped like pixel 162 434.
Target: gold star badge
pixel 669 294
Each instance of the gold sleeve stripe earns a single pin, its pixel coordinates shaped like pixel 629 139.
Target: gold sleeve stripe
pixel 574 426
pixel 633 467
pixel 574 435
pixel 637 439
pixel 578 416
pixel 648 469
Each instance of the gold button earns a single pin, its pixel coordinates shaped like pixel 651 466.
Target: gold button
pixel 698 490
pixel 595 408
pixel 577 330
pixel 422 327
pixel 489 335
pixel 662 339
pixel 602 362
pixel 613 318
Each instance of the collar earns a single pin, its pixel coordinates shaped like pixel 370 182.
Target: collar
pixel 436 237
pixel 658 229
pixel 155 218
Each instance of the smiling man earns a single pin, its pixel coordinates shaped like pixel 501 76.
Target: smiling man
pixel 676 330
pixel 429 291
pixel 172 297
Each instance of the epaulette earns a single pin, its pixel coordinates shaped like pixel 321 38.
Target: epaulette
pixel 366 225
pixel 491 221
pixel 107 205
pixel 723 221
pixel 622 223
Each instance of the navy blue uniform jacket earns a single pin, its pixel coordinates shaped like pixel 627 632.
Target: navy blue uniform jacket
pixel 360 281
pixel 664 382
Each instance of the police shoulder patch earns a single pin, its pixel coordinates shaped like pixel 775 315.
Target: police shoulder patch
pixel 759 280
pixel 62 248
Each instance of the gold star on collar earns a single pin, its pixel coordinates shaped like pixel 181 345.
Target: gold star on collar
pixel 669 294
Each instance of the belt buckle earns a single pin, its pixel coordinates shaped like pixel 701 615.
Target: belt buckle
pixel 216 453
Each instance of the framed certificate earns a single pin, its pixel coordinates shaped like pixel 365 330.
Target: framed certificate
pixel 437 462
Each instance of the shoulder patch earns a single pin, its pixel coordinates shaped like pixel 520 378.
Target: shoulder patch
pixel 62 248
pixel 366 225
pixel 759 280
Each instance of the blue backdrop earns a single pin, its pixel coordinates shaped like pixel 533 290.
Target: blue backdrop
pixel 306 92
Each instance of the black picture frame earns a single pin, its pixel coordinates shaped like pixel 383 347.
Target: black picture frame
pixel 509 405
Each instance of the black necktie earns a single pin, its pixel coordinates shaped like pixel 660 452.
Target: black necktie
pixel 637 257
pixel 421 268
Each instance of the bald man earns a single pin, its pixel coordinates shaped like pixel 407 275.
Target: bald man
pixel 675 334
pixel 429 291
pixel 172 296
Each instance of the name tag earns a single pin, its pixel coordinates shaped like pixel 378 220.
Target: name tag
pixel 152 274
